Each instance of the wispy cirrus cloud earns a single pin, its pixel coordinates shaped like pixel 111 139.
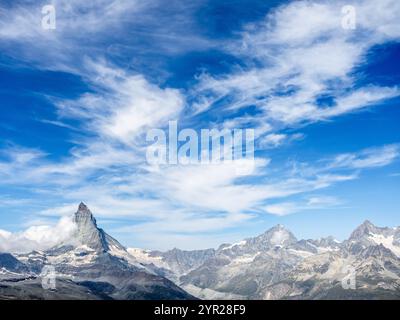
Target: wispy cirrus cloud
pixel 274 140
pixel 299 53
pixel 368 158
pixel 124 105
pixel 296 55
pixel 116 29
pixel 313 203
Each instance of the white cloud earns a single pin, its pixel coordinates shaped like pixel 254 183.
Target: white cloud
pixel 4 234
pixel 301 52
pixel 72 16
pixel 211 187
pixel 37 237
pixel 368 158
pixel 83 28
pixel 124 106
pixel 274 140
pixel 282 209
pixel 322 200
pixel 313 203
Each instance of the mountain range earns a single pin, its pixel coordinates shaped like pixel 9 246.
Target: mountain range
pixel 276 265
pixel 91 264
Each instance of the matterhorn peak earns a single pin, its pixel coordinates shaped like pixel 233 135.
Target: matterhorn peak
pixel 84 217
pixel 87 232
pixel 83 207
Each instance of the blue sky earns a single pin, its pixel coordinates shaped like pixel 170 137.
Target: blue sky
pixel 77 102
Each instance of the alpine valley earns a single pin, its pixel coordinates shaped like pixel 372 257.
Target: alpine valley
pixel 90 264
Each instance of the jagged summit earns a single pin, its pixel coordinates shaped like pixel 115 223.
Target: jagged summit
pixel 83 208
pixel 87 235
pixel 278 235
pixel 367 225
pixel 84 217
pixel 87 232
pixel 366 229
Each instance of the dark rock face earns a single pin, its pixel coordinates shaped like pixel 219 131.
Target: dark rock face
pixel 10 263
pixel 31 289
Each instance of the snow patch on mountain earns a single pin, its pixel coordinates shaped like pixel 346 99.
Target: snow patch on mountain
pixel 279 237
pixel 386 241
pixel 144 257
pixel 237 244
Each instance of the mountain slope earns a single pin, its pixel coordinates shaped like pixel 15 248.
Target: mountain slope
pixel 9 264
pixel 93 265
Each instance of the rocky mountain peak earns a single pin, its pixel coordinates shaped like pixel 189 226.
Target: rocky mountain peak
pixel 277 236
pixel 87 232
pixel 83 208
pixel 84 217
pixel 364 230
pixel 367 224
